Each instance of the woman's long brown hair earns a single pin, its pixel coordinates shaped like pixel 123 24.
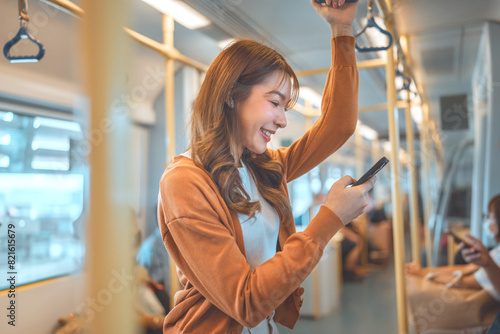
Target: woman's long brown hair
pixel 231 76
pixel 494 207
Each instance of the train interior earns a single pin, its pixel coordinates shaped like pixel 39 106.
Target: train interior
pixel 429 102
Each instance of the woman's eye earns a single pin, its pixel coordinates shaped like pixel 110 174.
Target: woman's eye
pixel 276 104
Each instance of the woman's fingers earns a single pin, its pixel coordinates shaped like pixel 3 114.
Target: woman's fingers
pixel 471 238
pixel 368 185
pixel 468 251
pixel 472 257
pixel 342 18
pixel 348 202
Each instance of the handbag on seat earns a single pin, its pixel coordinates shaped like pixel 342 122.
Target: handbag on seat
pixel 437 309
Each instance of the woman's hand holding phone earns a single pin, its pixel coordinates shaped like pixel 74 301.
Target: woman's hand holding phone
pixel 477 253
pixel 348 202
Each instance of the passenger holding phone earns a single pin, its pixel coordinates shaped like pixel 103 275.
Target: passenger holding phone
pixel 482 270
pixel 224 210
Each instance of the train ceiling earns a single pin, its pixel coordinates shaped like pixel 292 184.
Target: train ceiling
pixel 444 38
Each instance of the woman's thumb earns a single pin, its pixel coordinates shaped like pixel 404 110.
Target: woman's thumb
pixel 346 181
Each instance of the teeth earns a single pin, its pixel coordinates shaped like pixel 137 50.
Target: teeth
pixel 267 133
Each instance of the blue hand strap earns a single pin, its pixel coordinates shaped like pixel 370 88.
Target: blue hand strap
pixel 372 24
pixel 23 33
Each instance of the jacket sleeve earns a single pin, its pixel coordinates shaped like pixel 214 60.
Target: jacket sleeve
pixel 339 114
pixel 202 243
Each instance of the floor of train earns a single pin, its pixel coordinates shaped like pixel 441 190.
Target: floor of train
pixel 368 306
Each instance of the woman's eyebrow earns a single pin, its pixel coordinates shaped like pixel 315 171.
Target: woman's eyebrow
pixel 281 95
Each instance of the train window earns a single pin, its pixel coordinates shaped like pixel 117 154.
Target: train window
pixel 41 197
pixel 301 196
pixel 333 174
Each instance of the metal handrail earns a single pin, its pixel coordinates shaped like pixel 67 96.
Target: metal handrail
pixel 436 221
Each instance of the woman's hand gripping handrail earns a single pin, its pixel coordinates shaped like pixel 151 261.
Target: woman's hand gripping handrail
pixel 23 33
pixel 372 24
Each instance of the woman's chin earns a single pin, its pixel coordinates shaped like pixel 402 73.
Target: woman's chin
pixel 259 150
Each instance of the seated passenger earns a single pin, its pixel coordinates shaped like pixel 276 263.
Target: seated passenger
pixel 154 257
pixel 352 245
pixel 482 270
pixel 379 234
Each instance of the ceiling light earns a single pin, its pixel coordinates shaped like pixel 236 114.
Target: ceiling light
pixel 180 12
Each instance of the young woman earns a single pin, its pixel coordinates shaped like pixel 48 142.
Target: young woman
pixel 224 211
pixel 482 270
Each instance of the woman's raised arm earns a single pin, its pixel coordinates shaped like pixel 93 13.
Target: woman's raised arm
pixel 339 107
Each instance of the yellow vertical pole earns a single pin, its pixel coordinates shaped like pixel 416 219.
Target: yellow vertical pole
pixel 110 248
pixel 414 222
pixel 168 35
pixel 425 172
pixel 397 213
pixel 315 272
pixel 168 40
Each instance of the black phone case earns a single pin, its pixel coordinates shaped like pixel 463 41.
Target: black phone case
pixel 372 171
pixel 459 239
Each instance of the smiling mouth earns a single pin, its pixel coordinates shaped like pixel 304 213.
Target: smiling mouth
pixel 267 133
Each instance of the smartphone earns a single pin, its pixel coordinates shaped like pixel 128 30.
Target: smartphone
pixel 323 1
pixel 372 171
pixel 460 238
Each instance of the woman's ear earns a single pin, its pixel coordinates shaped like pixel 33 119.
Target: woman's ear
pixel 230 98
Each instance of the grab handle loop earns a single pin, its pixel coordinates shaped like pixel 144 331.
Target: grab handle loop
pixel 23 33
pixel 372 24
pixel 405 81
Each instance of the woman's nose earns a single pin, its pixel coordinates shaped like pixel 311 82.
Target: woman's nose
pixel 281 119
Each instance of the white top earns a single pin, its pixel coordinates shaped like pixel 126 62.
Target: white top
pixel 260 235
pixel 482 277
